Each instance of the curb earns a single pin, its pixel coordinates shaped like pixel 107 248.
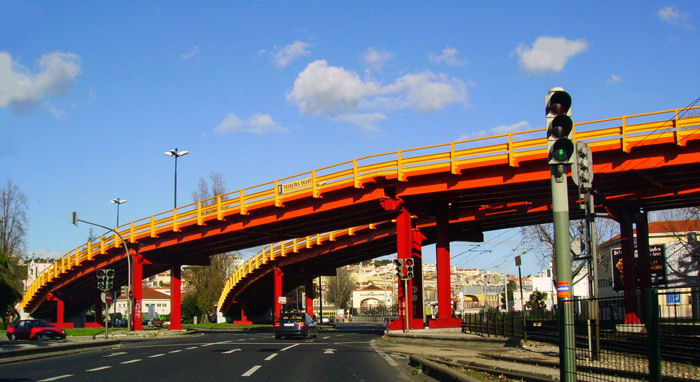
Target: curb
pixel 447 337
pixel 50 351
pixel 439 371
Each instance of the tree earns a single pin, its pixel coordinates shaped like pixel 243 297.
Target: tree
pixel 537 302
pixel 13 225
pixel 208 281
pixel 339 289
pixel 189 308
pixel 540 239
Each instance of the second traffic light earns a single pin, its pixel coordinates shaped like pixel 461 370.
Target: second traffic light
pixel 409 267
pixel 560 132
pixel 398 268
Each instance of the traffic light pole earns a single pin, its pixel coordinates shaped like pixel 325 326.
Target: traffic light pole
pixel 560 209
pixel 405 296
pixel 128 260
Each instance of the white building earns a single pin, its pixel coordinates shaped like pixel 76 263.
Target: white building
pixel 152 300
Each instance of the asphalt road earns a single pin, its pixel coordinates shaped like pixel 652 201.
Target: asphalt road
pixel 333 356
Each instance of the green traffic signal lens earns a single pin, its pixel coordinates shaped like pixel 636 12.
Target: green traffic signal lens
pixel 562 150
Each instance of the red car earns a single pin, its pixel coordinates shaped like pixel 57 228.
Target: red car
pixel 34 330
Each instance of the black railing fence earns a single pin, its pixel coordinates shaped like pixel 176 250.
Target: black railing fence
pixel 661 339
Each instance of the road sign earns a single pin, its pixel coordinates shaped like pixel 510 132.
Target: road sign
pixel 282 300
pixel 131 295
pixel 108 297
pixel 103 297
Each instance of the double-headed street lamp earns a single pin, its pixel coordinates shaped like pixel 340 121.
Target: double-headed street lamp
pixel 118 202
pixel 176 154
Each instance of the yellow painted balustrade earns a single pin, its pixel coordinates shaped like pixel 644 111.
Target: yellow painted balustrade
pixel 625 131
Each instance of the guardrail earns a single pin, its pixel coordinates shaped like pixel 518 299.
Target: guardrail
pixel 453 157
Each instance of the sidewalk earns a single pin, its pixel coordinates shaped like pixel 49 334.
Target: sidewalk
pixel 433 348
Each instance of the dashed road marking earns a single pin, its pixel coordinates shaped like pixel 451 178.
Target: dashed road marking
pixel 115 354
pixel 175 351
pixel 131 361
pixel 231 351
pixel 191 347
pixel 271 356
pixel 99 368
pixel 289 347
pixel 56 378
pixel 251 371
pixel 156 355
pixel 217 343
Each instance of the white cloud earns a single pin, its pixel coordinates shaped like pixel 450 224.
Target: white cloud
pixel 366 121
pixel 285 55
pixel 329 90
pixel 256 124
pixel 548 54
pixel 498 130
pixel 375 59
pixel 23 91
pixel 192 53
pixel 334 92
pixel 673 16
pixel 449 56
pixel 45 253
pixel 614 78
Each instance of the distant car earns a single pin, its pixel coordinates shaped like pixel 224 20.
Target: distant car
pixel 156 323
pixel 34 330
pixel 295 324
pixel 326 320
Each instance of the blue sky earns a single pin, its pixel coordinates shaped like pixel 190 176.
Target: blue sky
pixel 93 93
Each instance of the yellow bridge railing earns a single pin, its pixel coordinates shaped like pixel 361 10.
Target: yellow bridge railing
pixel 625 131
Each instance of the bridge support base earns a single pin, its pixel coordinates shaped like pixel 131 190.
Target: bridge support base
pixel 175 298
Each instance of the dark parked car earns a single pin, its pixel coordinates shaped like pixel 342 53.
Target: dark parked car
pixel 295 324
pixel 34 330
pixel 156 322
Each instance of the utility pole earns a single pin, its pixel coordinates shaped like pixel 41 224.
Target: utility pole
pixel 561 149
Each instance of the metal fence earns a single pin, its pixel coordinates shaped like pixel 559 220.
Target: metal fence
pixel 664 344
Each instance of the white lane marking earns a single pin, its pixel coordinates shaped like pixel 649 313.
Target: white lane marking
pixel 329 351
pixel 217 343
pixel 251 371
pixel 325 338
pixel 271 356
pixel 191 347
pixel 115 354
pixel 175 351
pixel 289 347
pixel 99 368
pixel 231 351
pixel 156 355
pixel 388 359
pixel 56 378
pixel 131 361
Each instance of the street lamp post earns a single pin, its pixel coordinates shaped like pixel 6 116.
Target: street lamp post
pixel 128 260
pixel 176 154
pixel 118 202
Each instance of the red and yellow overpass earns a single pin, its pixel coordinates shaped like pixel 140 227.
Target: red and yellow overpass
pixel 649 161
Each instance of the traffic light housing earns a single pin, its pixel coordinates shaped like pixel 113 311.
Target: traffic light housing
pixel 582 170
pixel 101 279
pixel 409 267
pixel 398 268
pixel 105 279
pixel 109 279
pixel 560 127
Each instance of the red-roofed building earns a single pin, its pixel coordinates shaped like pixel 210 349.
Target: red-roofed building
pixel 151 298
pixel 677 244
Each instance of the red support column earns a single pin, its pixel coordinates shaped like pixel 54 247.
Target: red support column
pixel 137 287
pixel 416 283
pixel 629 269
pixel 276 311
pixel 175 298
pixel 244 318
pixel 403 251
pixel 444 284
pixel 60 323
pixel 309 297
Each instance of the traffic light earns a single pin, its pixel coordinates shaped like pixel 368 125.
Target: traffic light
pixel 560 144
pixel 582 170
pixel 101 279
pixel 409 267
pixel 398 268
pixel 109 279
